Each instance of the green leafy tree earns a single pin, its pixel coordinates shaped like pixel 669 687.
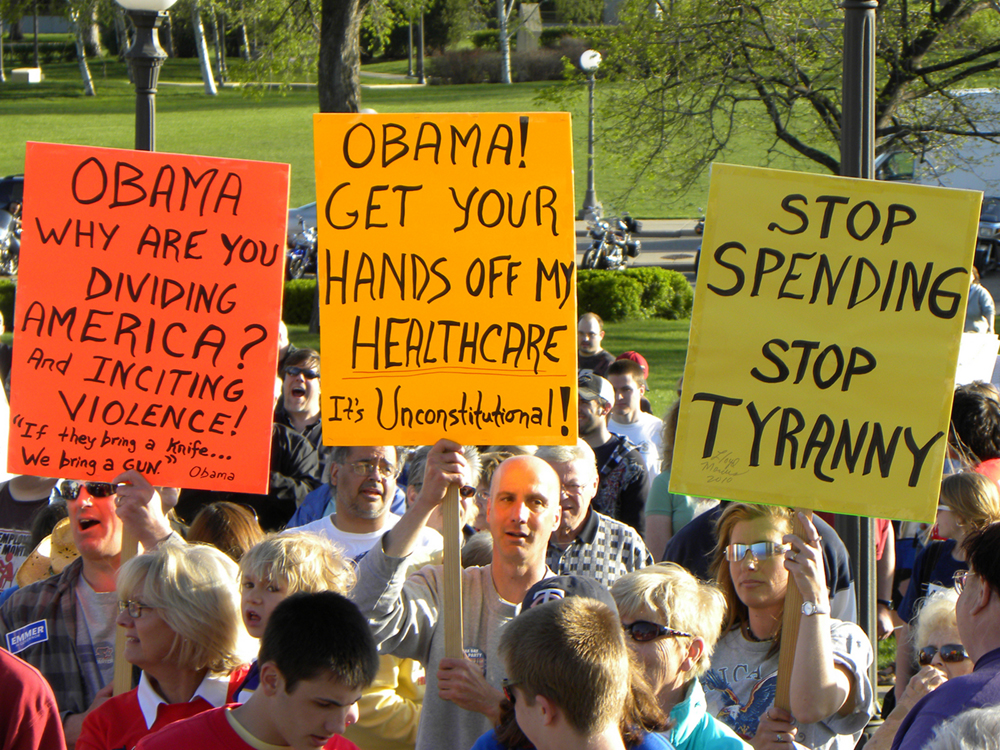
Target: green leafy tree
pixel 691 74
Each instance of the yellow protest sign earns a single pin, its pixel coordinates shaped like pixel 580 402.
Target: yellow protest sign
pixel 446 277
pixel 824 339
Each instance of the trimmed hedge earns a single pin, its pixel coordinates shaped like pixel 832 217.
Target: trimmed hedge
pixel 296 307
pixel 634 294
pixel 8 290
pixel 22 54
pixel 550 36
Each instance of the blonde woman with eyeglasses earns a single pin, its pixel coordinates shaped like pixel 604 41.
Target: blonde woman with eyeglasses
pixel 755 560
pixel 180 608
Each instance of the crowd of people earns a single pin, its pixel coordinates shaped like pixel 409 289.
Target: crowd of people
pixel 599 610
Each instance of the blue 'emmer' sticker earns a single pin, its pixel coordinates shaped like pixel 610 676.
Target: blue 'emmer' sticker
pixel 29 635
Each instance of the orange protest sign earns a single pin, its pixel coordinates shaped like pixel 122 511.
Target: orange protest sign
pixel 148 303
pixel 447 278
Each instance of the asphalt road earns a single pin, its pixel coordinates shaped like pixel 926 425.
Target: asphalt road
pixel 673 253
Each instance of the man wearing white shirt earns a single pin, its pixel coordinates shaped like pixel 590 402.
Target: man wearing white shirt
pixel 363 482
pixel 627 418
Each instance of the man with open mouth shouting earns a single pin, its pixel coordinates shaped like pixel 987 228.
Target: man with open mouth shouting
pixel 65 625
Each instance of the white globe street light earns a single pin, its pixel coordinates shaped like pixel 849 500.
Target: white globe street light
pixel 146 56
pixel 590 61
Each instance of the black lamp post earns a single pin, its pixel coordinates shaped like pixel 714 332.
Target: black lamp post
pixel 857 159
pixel 590 61
pixel 146 56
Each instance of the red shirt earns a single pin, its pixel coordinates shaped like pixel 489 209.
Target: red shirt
pixel 211 731
pixel 120 722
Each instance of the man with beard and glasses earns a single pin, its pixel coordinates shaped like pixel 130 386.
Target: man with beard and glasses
pixel 363 485
pixel 64 626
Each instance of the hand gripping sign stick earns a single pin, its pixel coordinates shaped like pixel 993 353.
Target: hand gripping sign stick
pixel 452 603
pixel 790 628
pixel 123 670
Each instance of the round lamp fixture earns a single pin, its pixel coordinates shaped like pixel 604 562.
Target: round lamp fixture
pixel 589 60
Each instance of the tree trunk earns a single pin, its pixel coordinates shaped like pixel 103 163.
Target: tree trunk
pixel 243 31
pixel 504 41
pixel 221 46
pixel 121 35
pixel 34 11
pixel 340 55
pixel 166 35
pixel 92 33
pixel 81 55
pixel 3 75
pixel 199 40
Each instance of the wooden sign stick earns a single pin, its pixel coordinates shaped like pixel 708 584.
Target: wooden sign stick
pixel 452 603
pixel 123 670
pixel 792 614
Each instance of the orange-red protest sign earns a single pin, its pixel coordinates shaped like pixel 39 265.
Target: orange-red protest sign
pixel 447 278
pixel 148 303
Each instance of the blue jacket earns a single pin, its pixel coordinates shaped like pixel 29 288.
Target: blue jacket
pixel 695 729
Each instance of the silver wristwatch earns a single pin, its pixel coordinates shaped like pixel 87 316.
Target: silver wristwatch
pixel 812 608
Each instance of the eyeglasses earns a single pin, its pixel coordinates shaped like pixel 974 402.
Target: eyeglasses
pixel 70 490
pixel 959 579
pixel 950 652
pixel 757 550
pixel 508 689
pixel 133 608
pixel 365 468
pixel 572 489
pixel 305 372
pixel 643 631
pixel 467 491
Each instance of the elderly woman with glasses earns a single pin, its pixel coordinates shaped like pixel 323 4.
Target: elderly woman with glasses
pixel 940 654
pixel 755 560
pixel 672 622
pixel 180 608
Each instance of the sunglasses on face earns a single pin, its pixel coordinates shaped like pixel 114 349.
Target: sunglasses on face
pixel 303 371
pixel 950 653
pixel 643 631
pixel 508 689
pixel 70 490
pixel 757 551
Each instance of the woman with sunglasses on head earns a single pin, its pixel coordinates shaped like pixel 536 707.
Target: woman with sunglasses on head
pixel 968 501
pixel 180 608
pixel 672 623
pixel 940 654
pixel 755 561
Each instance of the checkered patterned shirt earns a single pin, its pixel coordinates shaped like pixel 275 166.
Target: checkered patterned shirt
pixel 605 549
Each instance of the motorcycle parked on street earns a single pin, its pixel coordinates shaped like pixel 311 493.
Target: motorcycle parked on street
pixel 10 242
pixel 301 253
pixel 611 243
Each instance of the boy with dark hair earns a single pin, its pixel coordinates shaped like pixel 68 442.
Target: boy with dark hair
pixel 316 656
pixel 567 674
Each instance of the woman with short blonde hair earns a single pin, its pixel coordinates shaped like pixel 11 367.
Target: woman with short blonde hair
pixel 672 622
pixel 179 606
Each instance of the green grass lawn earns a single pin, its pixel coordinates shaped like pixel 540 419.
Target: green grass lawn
pixel 277 126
